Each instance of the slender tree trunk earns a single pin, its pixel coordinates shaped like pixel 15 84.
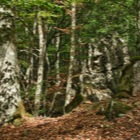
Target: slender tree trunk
pixel 57 67
pixel 58 60
pixel 9 70
pixel 29 72
pixel 46 75
pixel 42 51
pixel 138 27
pixel 72 54
pixel 81 78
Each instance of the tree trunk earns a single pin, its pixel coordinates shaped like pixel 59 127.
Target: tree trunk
pixel 9 70
pixel 29 71
pixel 138 27
pixel 58 60
pixel 57 67
pixel 72 55
pixel 40 74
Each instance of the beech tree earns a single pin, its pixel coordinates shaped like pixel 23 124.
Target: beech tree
pixel 9 69
pixel 42 50
pixel 72 54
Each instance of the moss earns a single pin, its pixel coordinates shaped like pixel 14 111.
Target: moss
pixel 126 79
pixel 125 68
pixel 96 106
pixel 18 122
pixel 116 109
pixel 127 76
pixel 130 65
pixel 135 59
pixel 100 105
pixel 122 95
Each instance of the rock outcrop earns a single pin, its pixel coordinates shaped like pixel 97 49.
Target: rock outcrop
pixel 102 73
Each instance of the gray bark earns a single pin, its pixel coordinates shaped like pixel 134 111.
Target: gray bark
pixel 72 55
pixel 29 72
pixel 57 67
pixel 9 70
pixel 40 74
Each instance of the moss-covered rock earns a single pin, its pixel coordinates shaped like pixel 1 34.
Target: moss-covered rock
pixel 74 103
pixel 18 121
pixel 125 81
pixel 112 109
pixel 116 109
pixel 130 76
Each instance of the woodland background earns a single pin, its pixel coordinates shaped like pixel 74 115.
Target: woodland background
pixel 74 50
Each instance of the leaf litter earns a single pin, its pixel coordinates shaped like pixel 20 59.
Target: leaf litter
pixel 81 124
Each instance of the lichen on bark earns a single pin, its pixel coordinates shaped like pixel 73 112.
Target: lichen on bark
pixel 9 70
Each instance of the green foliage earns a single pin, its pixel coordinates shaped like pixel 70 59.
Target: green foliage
pixel 24 64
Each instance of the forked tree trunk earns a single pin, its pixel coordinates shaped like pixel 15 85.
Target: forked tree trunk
pixel 9 70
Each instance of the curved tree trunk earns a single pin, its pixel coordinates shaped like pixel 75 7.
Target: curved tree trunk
pixel 9 70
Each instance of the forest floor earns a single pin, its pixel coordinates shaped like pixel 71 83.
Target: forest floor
pixel 81 124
